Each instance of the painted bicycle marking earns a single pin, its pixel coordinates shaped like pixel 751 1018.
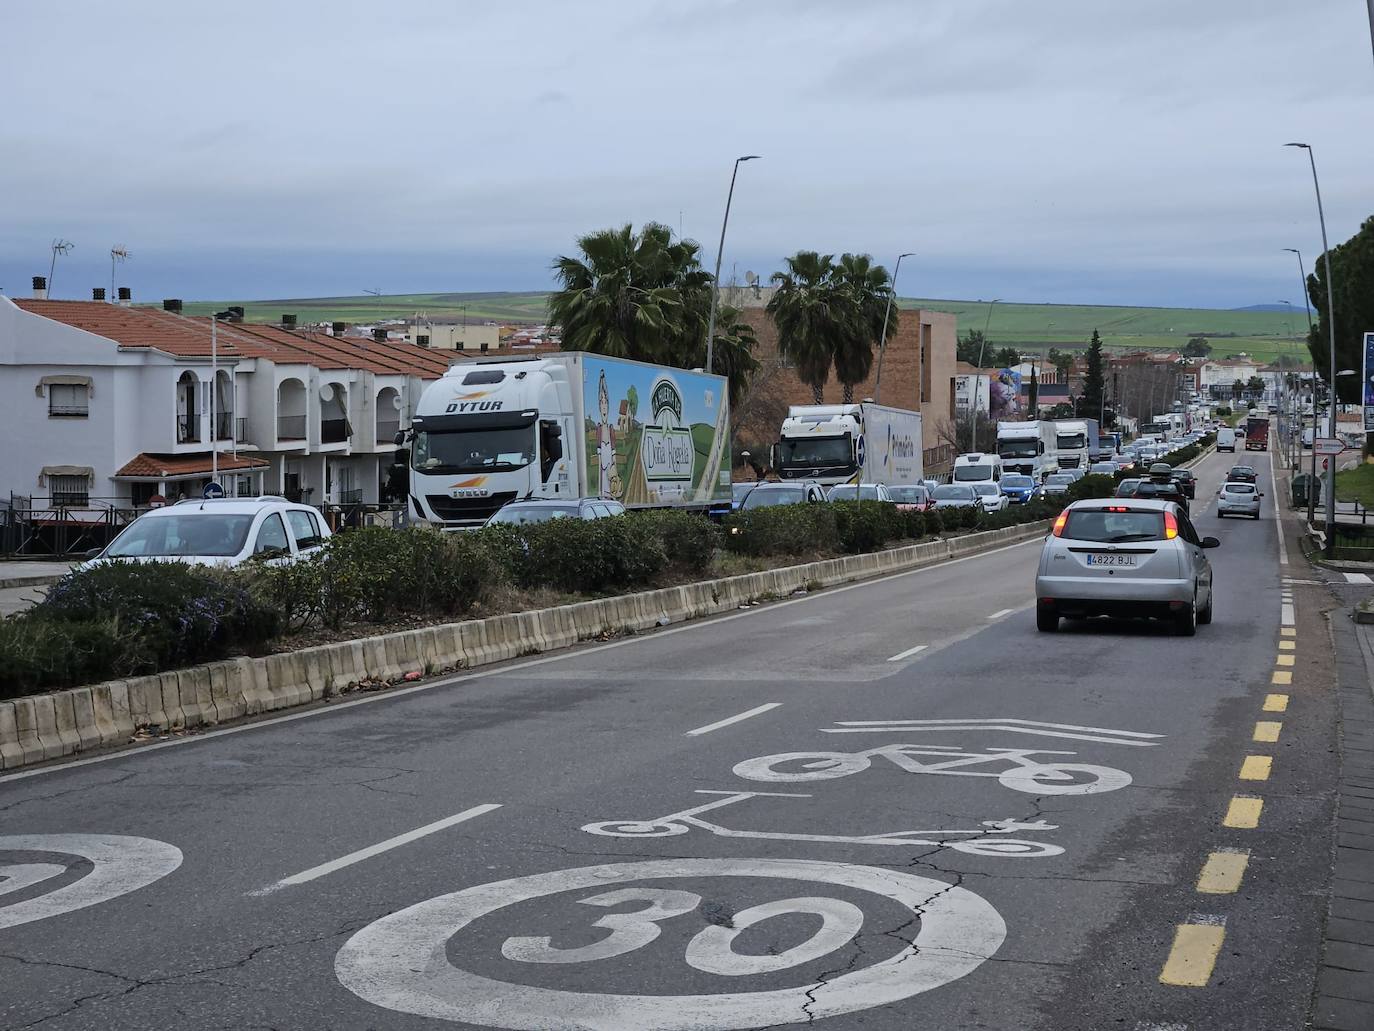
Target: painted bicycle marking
pixel 974 841
pixel 1026 772
pixel 119 865
pixel 401 961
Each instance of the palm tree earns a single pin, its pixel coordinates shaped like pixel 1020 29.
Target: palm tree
pixel 867 287
pixel 811 317
pixel 733 356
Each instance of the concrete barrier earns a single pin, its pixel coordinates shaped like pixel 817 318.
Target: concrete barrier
pixel 62 723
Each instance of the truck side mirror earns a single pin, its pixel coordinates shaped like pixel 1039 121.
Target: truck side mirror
pixel 400 438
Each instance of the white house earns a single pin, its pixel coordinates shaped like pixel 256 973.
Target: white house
pixel 107 406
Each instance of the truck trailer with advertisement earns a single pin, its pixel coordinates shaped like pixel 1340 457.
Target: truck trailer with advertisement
pixel 1028 448
pixel 1257 433
pixel 834 444
pixel 570 425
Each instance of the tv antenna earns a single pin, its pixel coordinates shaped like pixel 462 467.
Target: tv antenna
pixel 117 254
pixel 59 246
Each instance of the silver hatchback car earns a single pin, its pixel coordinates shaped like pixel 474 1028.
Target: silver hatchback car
pixel 1125 557
pixel 1239 499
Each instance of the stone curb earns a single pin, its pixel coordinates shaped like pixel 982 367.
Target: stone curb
pixel 62 723
pixel 9 583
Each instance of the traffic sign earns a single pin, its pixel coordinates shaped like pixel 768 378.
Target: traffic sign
pixel 213 489
pixel 1329 446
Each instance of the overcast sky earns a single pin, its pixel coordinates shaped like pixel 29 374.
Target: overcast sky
pixel 1078 151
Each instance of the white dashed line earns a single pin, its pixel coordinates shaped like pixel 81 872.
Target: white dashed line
pixel 1000 613
pixel 908 653
pixel 733 719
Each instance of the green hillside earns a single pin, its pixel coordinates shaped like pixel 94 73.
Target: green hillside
pixel 1263 334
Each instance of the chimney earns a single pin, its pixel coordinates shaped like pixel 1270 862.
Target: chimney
pixel 97 293
pixel 379 334
pixel 172 304
pixel 126 296
pixel 339 328
pixel 288 321
pixel 40 288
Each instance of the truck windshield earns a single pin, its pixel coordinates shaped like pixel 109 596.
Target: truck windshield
pixel 966 473
pixel 1071 441
pixel 816 451
pixel 473 451
pixel 1027 448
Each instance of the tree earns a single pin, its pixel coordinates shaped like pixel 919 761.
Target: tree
pixel 1255 386
pixel 864 288
pixel 1033 401
pixel 810 317
pixel 1352 269
pixel 1238 387
pixel 1197 347
pixel 972 347
pixel 1063 410
pixel 1093 385
pixel 733 354
pixel 1006 358
pixel 958 433
pixel 632 399
pixel 1062 361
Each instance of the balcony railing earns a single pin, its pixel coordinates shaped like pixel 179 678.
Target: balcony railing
pixel 291 427
pixel 333 431
pixel 241 429
pixel 80 411
pixel 387 430
pixel 350 497
pixel 188 428
pixel 224 426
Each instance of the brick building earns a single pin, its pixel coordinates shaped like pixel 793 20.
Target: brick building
pixel 919 371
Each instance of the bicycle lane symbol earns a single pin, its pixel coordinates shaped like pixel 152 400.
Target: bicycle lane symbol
pixel 401 961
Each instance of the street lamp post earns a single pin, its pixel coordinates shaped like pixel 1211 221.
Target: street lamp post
pixel 1302 280
pixel 981 349
pixel 720 251
pixel 1331 327
pixel 882 337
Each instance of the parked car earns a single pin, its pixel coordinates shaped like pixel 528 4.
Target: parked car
pixel 1018 487
pixel 224 532
pixel 867 492
pixel 956 495
pixel 1185 479
pixel 993 498
pixel 794 492
pixel 1125 557
pixel 1239 499
pixel 522 513
pixel 913 496
pixel 1241 474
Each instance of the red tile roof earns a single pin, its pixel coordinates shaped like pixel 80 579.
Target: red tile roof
pixel 186 465
pixel 189 337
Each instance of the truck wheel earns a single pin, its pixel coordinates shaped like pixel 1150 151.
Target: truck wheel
pixel 1046 620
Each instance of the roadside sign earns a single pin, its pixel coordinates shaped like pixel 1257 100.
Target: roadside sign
pixel 1330 446
pixel 213 489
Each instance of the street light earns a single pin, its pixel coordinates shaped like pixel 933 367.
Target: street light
pixel 1331 327
pixel 882 338
pixel 1302 281
pixel 720 251
pixel 981 348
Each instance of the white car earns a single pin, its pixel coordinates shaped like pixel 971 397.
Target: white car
pixel 869 492
pixel 1239 499
pixel 224 532
pixel 993 498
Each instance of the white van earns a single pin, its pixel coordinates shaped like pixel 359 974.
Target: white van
pixel 977 467
pixel 1226 439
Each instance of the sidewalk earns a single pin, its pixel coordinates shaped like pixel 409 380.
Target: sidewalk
pixel 23 584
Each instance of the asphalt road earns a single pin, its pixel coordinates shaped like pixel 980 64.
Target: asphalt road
pixel 582 840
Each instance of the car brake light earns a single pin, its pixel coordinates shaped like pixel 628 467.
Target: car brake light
pixel 1059 524
pixel 1170 526
pixel 1117 508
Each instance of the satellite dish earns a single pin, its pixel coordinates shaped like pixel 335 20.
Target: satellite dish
pixel 751 278
pixel 326 392
pixel 396 401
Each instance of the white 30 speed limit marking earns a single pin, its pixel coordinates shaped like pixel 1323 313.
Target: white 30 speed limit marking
pixel 120 865
pixel 400 962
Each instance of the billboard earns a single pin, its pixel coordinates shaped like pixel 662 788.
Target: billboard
pixel 1368 382
pixel 1004 396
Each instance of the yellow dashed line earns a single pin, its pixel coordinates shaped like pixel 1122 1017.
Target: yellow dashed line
pixel 1256 767
pixel 1288 631
pixel 1243 812
pixel 1282 676
pixel 1285 660
pixel 1267 731
pixel 1288 646
pixel 1193 955
pixel 1222 873
pixel 1276 703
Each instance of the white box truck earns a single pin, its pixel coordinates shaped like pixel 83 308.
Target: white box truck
pixel 570 425
pixel 1075 442
pixel 833 443
pixel 1028 448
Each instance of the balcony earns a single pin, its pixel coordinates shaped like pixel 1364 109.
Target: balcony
pixel 350 497
pixel 188 428
pixel 333 431
pixel 387 430
pixel 224 426
pixel 291 427
pixel 241 429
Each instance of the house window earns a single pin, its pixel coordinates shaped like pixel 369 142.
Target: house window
pixel 69 491
pixel 68 400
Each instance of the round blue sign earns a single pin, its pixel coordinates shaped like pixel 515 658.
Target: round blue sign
pixel 213 489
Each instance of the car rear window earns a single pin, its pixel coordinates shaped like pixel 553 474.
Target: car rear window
pixel 1108 526
pixel 1240 488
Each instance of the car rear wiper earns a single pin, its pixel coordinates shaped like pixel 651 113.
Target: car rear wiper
pixel 1131 537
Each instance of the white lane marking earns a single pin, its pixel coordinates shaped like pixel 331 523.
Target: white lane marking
pixel 1286 616
pixel 908 653
pixel 756 711
pixel 120 864
pixel 374 850
pixel 498 670
pixel 1278 513
pixel 1000 613
pixel 1357 578
pixel 401 962
pixel 1006 723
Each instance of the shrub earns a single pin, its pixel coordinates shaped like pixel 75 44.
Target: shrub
pixel 782 530
pixel 689 539
pixel 38 653
pixel 867 525
pixel 915 524
pixel 935 521
pixel 1094 485
pixel 968 517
